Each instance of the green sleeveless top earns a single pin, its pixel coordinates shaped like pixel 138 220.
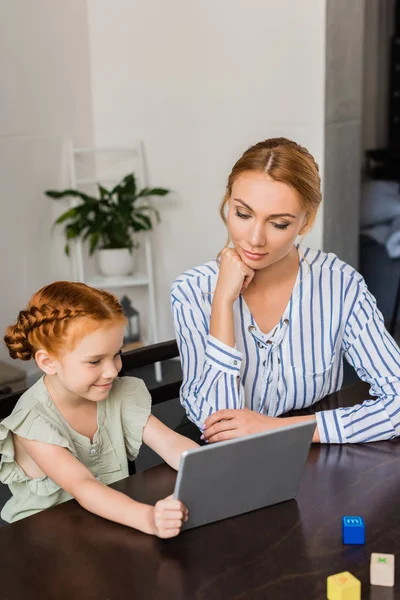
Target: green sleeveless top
pixel 121 418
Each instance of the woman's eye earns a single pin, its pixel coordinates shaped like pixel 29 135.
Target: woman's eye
pixel 280 225
pixel 118 355
pixel 242 215
pixel 94 362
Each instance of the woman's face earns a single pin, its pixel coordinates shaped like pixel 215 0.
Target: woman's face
pixel 264 218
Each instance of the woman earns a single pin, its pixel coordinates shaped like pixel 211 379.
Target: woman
pixel 264 329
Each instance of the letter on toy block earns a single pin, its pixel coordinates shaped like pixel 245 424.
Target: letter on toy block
pixel 353 530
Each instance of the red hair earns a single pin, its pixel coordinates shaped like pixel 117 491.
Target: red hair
pixel 282 160
pixel 58 315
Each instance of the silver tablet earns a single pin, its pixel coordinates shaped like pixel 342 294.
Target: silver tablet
pixel 236 476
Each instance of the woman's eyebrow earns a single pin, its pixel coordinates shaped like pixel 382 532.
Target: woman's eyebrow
pixel 274 216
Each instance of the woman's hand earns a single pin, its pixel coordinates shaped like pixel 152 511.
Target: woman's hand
pixel 234 423
pixel 228 424
pixel 234 275
pixel 167 517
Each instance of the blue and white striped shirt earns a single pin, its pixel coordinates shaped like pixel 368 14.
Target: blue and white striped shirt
pixel 330 315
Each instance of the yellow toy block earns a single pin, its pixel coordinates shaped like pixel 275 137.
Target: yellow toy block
pixel 343 586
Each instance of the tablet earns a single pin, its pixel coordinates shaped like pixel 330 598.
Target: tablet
pixel 229 478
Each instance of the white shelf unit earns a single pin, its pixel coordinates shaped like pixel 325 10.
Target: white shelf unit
pixel 145 279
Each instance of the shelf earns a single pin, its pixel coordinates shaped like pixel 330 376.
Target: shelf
pixel 101 180
pixel 117 282
pixel 129 149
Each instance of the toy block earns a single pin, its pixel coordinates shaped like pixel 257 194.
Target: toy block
pixel 343 586
pixel 353 530
pixel 382 569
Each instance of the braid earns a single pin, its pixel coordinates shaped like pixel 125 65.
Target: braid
pixel 47 318
pixel 16 340
pixel 46 321
pixel 36 317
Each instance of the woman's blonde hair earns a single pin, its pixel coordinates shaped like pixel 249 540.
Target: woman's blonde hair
pixel 282 160
pixel 58 315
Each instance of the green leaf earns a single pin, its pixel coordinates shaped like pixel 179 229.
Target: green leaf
pixel 159 192
pixel 69 193
pixel 104 192
pixel 128 185
pixel 66 249
pixel 93 242
pixel 67 215
pixel 109 220
pixel 149 208
pixel 141 223
pixel 153 192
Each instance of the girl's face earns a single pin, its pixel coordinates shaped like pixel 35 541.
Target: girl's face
pixel 89 369
pixel 264 218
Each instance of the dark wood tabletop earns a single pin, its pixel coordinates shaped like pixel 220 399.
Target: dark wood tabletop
pixel 284 551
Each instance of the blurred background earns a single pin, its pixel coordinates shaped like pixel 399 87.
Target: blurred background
pixel 175 92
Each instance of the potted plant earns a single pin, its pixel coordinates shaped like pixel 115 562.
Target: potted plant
pixel 108 222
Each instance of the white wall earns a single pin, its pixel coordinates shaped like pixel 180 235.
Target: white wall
pixel 199 82
pixel 45 96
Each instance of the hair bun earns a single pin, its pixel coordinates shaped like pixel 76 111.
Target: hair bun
pixel 17 342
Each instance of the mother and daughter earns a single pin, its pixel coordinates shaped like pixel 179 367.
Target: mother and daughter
pixel 262 330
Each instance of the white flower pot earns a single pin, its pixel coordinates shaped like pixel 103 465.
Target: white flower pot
pixel 116 262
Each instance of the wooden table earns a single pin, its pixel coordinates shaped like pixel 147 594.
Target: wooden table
pixel 282 552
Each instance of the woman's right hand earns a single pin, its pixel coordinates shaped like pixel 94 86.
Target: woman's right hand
pixel 234 275
pixel 167 517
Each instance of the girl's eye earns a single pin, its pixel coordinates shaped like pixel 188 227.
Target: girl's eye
pixel 118 355
pixel 94 362
pixel 280 225
pixel 242 215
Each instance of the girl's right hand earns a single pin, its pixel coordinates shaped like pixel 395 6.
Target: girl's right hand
pixel 168 515
pixel 234 275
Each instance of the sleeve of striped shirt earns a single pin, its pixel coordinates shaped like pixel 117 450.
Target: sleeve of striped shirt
pixel 375 356
pixel 211 369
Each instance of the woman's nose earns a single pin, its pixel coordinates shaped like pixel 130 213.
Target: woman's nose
pixel 257 237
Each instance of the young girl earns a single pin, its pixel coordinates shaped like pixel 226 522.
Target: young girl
pixel 264 329
pixel 70 434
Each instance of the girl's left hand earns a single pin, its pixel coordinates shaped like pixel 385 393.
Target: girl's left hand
pixel 234 423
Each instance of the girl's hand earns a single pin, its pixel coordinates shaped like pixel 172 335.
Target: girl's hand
pixel 234 275
pixel 167 517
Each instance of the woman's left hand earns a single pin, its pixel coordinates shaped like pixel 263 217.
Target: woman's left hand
pixel 234 423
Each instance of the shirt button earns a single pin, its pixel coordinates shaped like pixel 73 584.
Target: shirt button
pixel 92 451
pixel 286 321
pixel 269 342
pixel 235 362
pixel 264 363
pixel 259 344
pixel 251 328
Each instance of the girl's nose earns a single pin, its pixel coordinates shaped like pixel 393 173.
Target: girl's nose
pixel 109 371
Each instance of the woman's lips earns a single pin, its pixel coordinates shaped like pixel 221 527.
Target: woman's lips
pixel 254 256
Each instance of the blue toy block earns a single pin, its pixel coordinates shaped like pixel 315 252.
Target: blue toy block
pixel 353 530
